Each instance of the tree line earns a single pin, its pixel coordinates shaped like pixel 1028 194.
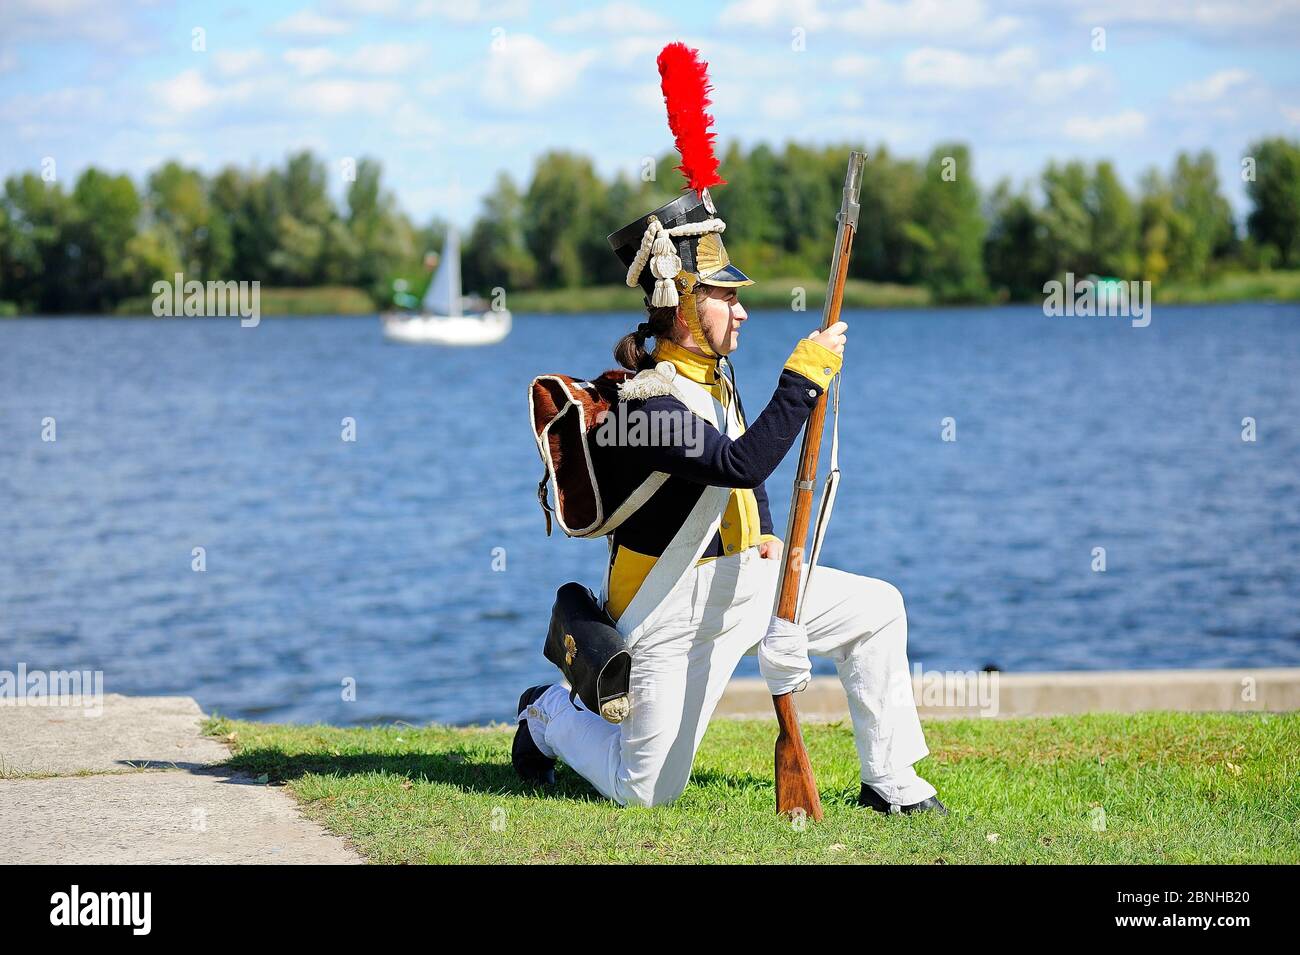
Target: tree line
pixel 923 222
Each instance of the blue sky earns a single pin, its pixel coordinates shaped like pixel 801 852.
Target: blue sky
pixel 448 92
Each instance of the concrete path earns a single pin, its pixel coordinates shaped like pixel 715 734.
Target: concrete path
pixel 136 784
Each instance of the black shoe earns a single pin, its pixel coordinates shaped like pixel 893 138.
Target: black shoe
pixel 873 800
pixel 532 765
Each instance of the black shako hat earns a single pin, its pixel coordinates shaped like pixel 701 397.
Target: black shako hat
pixel 702 255
pixel 679 245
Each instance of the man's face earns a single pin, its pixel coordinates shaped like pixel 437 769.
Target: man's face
pixel 721 316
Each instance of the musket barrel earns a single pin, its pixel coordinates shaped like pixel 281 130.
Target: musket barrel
pixel 852 189
pixel 800 516
pixel 848 226
pixel 796 786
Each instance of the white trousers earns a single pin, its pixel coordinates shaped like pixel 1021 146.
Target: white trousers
pixel 680 669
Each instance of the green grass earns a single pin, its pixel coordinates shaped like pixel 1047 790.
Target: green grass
pixel 1174 787
pixel 769 293
pixel 1233 287
pixel 321 300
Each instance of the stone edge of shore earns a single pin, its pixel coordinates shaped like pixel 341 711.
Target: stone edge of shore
pixel 951 695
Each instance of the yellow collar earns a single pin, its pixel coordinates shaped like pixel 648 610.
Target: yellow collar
pixel 695 367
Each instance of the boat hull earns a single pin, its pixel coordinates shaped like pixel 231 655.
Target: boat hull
pixel 487 328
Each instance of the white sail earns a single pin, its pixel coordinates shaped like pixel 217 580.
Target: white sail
pixel 442 319
pixel 443 297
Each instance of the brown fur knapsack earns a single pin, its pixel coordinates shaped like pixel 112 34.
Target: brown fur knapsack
pixel 566 412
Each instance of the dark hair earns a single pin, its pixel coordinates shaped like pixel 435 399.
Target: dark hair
pixel 630 352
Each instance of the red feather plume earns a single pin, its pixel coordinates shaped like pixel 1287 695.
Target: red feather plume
pixel 685 81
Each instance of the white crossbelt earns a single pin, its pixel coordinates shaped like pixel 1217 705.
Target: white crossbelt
pixel 688 544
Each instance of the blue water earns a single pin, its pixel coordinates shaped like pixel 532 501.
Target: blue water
pixel 373 561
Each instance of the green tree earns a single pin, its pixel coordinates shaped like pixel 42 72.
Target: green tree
pixel 497 254
pixel 150 255
pixel 309 248
pixel 806 197
pixel 243 202
pixel 8 244
pixel 1113 235
pixel 562 207
pixel 1274 193
pixel 1014 254
pixel 882 249
pixel 381 238
pixel 35 270
pixel 179 202
pixel 1157 223
pixel 745 203
pixel 949 227
pixel 1207 230
pixel 107 212
pixel 1067 221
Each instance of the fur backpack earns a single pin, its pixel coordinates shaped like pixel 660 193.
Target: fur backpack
pixel 566 413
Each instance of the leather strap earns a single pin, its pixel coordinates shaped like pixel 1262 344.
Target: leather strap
pixel 644 491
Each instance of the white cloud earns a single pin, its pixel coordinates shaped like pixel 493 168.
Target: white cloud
pixel 523 72
pixel 1212 88
pixel 952 69
pixel 958 21
pixel 613 18
pixel 334 97
pixel 772 13
pixel 855 66
pixel 412 122
pixel 186 92
pixel 189 92
pixel 784 104
pixel 438 85
pixel 376 59
pixel 107 24
pixel 387 58
pixel 1096 129
pixel 310 61
pixel 307 22
pixel 1055 84
pixel 968 21
pixel 646 98
pixel 1204 13
pixel 64 104
pixel 238 62
pixel 8 61
pixel 458 11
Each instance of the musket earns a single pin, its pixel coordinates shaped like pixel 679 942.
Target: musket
pixel 796 787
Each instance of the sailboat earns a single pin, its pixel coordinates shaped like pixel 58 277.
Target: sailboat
pixel 442 318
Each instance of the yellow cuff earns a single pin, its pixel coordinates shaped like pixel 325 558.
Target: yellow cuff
pixel 815 362
pixel 764 538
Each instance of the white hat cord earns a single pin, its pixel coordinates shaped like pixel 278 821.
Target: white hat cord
pixel 657 248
